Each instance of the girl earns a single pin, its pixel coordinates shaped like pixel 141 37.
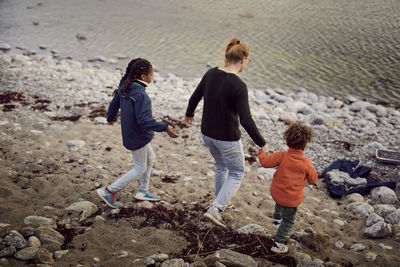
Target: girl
pixel 225 103
pixel 137 126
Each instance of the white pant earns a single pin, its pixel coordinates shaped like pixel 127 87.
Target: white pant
pixel 143 159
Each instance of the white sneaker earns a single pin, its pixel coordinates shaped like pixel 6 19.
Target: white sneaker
pixel 279 248
pixel 214 215
pixel 276 223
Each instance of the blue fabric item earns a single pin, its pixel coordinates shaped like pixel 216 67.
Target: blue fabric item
pixel 137 122
pixel 354 169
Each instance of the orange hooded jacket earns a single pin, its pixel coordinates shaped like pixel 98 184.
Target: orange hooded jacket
pixel 289 179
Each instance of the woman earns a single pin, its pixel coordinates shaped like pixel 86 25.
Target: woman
pixel 225 104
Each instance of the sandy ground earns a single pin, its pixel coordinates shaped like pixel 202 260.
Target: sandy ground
pixel 39 170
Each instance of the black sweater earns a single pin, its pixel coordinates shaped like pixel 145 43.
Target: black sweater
pixel 225 102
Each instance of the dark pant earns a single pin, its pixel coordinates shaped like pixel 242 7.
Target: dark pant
pixel 287 215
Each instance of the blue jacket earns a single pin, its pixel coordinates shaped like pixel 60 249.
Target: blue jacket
pixel 137 123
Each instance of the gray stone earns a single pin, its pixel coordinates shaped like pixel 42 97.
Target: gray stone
pixel 122 254
pixel 86 208
pixel 383 246
pixel 33 241
pixel 394 217
pixel 370 256
pixel 5 47
pixel 100 120
pixel 43 256
pixel 299 256
pixel 355 197
pixel 159 257
pixel 16 240
pixel 232 258
pixel 39 221
pixel 373 146
pixel 149 261
pixel 360 208
pixel 8 251
pixel 309 263
pixel 5 229
pixel 60 253
pixel 339 244
pixel 75 143
pixel 173 263
pixel 384 209
pixel 384 195
pixel 373 219
pixel 339 222
pixel 357 247
pixel 378 230
pixel 25 254
pixel 48 235
pixel 252 229
pixel 27 231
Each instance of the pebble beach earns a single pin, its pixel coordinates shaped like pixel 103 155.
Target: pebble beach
pixel 56 149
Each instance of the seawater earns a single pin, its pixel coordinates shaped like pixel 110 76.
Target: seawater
pixel 334 48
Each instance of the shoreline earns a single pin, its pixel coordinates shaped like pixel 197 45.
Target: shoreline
pixel 64 101
pixel 330 48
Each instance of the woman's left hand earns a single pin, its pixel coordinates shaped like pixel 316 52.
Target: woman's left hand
pixel 188 121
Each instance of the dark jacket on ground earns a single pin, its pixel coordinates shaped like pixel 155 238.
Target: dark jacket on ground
pixel 137 123
pixel 225 102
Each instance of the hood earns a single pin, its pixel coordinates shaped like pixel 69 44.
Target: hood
pixel 135 88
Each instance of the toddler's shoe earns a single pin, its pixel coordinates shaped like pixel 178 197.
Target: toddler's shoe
pixel 214 215
pixel 276 223
pixel 279 248
pixel 149 196
pixel 108 198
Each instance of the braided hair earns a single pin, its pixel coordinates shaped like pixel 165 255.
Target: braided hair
pixel 138 67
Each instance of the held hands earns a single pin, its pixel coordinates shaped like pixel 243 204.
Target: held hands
pixel 171 132
pixel 265 149
pixel 188 121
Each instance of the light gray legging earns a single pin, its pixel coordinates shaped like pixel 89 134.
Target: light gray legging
pixel 143 160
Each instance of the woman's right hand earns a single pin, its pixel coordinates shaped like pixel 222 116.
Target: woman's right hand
pixel 188 121
pixel 171 132
pixel 265 149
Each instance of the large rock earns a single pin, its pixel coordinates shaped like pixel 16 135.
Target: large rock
pixel 48 235
pixel 39 221
pixel 86 208
pixel 8 251
pixel 173 263
pixel 373 219
pixel 394 217
pixel 355 197
pixel 360 209
pixel 25 254
pixel 43 256
pixel 378 230
pixel 232 258
pixel 384 195
pixel 384 209
pixel 4 229
pixel 254 229
pixel 16 240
